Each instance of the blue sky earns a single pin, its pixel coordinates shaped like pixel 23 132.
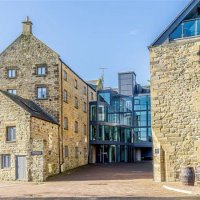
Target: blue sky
pixel 89 35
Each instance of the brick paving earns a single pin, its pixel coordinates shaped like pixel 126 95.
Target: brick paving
pixel 96 182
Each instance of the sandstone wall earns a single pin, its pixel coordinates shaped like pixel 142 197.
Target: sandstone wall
pixel 13 115
pixel 24 55
pixel 73 139
pixel 44 138
pixel 175 95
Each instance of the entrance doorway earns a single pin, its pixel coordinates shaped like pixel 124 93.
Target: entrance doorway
pixel 21 167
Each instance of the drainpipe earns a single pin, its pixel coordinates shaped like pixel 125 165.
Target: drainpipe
pixel 61 120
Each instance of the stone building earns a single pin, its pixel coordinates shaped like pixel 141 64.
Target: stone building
pixel 29 145
pixel 31 70
pixel 175 95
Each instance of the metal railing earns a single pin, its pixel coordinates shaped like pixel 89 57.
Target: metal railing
pixel 188 28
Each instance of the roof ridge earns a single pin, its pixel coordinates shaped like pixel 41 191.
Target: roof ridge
pixel 37 112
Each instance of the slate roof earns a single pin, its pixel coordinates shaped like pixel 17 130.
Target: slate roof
pixel 165 34
pixel 31 107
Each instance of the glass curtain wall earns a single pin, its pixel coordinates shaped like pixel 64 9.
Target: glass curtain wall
pixel 142 119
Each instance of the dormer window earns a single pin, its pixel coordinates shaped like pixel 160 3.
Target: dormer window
pixel 41 70
pixel 11 73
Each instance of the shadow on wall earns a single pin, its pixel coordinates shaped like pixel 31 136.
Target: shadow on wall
pixel 118 171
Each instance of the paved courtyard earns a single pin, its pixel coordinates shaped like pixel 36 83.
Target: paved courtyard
pixel 111 181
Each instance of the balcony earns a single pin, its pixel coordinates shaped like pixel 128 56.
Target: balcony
pixel 189 28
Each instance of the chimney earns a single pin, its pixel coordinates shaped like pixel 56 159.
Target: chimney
pixel 27 27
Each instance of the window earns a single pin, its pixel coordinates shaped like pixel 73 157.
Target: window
pixel 12 91
pixel 11 134
pixel 93 112
pixel 11 73
pixel 76 84
pixel 93 132
pixel 66 151
pixel 84 107
pixel 84 90
pixel 65 123
pixel 85 152
pixel 76 152
pixel 76 127
pixel 92 96
pixel 42 93
pixel 65 75
pixel 41 70
pixel 65 95
pixel 76 102
pixel 5 161
pixel 101 111
pixel 85 129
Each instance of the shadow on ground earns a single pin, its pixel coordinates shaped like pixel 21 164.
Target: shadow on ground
pixel 105 198
pixel 118 171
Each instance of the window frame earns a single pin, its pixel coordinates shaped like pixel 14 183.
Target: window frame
pixel 76 152
pixel 76 126
pixel 37 92
pixel 65 123
pixel 75 84
pixel 85 107
pixel 85 129
pixel 66 151
pixel 9 91
pixel 7 132
pixel 3 163
pixel 76 102
pixel 65 75
pixel 12 70
pixel 92 96
pixel 65 96
pixel 41 67
pixel 84 90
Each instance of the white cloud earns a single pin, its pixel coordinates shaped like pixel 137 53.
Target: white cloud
pixel 134 32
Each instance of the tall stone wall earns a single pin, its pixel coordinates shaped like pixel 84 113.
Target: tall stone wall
pixel 175 95
pixel 71 139
pixel 44 138
pixel 24 55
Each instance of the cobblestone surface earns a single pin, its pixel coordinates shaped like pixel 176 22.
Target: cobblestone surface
pixel 96 182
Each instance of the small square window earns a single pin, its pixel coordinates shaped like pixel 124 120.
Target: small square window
pixel 11 134
pixel 41 71
pixel 76 84
pixel 66 151
pixel 84 107
pixel 65 75
pixel 76 127
pixel 65 96
pixel 65 123
pixel 11 73
pixel 12 91
pixel 5 161
pixel 42 93
pixel 76 102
